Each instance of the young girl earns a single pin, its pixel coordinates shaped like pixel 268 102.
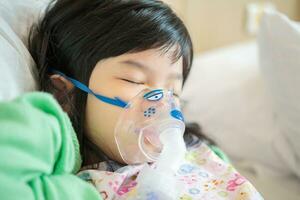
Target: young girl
pixel 93 57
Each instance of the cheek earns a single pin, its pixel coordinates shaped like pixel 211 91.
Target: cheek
pixel 100 123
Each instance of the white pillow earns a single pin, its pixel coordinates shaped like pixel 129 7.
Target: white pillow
pixel 226 95
pixel 279 42
pixel 16 64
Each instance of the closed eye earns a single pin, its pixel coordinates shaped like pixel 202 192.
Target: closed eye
pixel 133 82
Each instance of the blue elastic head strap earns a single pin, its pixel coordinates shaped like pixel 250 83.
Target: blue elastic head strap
pixel 113 101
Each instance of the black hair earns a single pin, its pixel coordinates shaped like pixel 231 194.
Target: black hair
pixel 74 35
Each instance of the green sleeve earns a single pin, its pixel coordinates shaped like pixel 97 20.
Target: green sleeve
pixel 39 152
pixel 219 153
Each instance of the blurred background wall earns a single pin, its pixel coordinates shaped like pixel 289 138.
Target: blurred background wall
pixel 216 23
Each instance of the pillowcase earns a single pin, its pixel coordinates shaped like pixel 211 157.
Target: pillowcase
pixel 17 72
pixel 279 44
pixel 226 95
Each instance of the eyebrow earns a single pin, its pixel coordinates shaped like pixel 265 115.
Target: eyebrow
pixel 175 76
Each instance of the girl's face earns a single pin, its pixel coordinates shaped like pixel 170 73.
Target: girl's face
pixel 125 76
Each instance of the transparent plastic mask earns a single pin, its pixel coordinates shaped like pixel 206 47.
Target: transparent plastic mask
pixel 144 118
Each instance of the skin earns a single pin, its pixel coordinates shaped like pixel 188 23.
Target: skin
pixel 123 76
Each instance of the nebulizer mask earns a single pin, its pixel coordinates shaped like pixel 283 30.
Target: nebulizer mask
pixel 144 124
pixel 150 128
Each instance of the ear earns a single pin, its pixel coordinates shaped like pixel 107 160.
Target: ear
pixel 62 88
pixel 61 83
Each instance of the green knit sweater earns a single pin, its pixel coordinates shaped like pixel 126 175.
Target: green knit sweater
pixel 39 152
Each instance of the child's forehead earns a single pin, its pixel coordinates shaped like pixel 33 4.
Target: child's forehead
pixel 152 61
pixel 152 58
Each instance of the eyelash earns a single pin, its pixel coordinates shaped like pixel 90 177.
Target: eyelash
pixel 137 83
pixel 132 81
